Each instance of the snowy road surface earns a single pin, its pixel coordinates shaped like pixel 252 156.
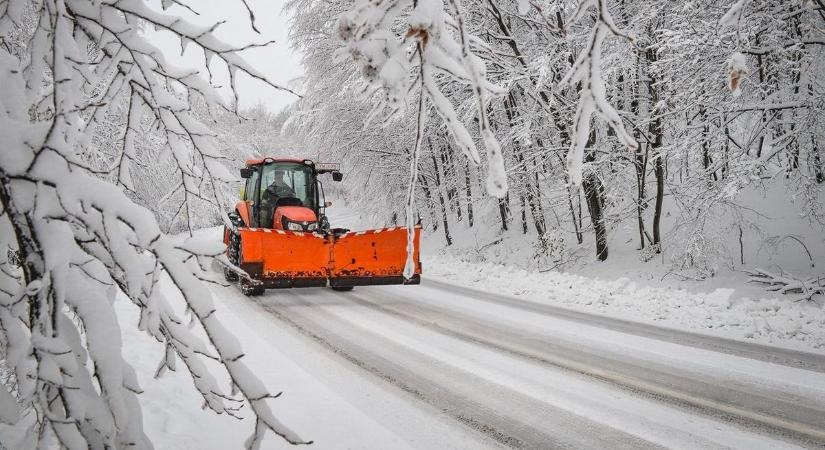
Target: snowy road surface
pixel 441 366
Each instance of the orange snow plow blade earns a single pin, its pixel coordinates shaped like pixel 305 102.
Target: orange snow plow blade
pixel 373 257
pixel 285 259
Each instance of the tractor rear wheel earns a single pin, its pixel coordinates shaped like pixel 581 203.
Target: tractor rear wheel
pixel 233 251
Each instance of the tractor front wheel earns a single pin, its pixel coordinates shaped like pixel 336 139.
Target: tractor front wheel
pixel 250 290
pixel 234 256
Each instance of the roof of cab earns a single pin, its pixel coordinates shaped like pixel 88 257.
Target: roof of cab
pixel 255 162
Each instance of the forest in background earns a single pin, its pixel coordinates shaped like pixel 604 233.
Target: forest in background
pixel 725 100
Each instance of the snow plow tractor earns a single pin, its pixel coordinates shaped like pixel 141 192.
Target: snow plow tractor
pixel 281 237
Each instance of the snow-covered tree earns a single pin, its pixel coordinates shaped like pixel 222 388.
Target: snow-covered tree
pixel 85 98
pixel 670 115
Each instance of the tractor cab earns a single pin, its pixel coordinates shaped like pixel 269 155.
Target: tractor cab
pixel 285 194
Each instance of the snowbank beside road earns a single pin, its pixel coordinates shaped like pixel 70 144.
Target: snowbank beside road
pixel 625 288
pixel 776 321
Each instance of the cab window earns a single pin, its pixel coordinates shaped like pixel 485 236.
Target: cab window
pixel 290 180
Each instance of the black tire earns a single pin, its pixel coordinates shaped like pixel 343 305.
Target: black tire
pixel 233 253
pixel 343 288
pixel 250 290
pixel 234 256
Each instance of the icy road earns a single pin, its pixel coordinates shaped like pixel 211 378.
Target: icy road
pixel 442 366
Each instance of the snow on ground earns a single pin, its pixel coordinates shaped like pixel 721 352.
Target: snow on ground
pixel 325 399
pixel 771 320
pixel 329 400
pixel 172 412
pixel 467 361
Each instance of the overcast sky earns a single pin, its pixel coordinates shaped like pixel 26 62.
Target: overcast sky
pixel 277 61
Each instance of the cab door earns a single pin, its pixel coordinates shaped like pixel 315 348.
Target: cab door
pixel 251 193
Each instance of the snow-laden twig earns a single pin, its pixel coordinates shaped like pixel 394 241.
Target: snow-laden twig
pixel 383 58
pixel 736 65
pixel 592 97
pixel 409 265
pixel 788 284
pixel 497 177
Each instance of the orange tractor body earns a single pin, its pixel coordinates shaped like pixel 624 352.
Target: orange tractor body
pixel 281 237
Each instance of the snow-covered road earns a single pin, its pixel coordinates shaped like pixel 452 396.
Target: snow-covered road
pixel 441 366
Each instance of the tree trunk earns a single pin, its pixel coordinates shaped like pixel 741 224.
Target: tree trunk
pixel 818 162
pixel 444 214
pixel 469 192
pixel 523 204
pixel 528 196
pixel 576 227
pixel 504 210
pixel 640 159
pixel 707 160
pixel 660 194
pixel 594 195
pixel 451 183
pixel 422 180
pixel 655 131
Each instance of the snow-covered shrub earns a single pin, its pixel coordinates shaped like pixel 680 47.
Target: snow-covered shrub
pixel 81 242
pixel 551 248
pixel 649 252
pixel 698 253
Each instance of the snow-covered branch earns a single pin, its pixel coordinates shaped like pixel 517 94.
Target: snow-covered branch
pixel 67 67
pixel 803 288
pixel 384 61
pixel 593 93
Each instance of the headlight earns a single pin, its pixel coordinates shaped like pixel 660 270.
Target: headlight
pixel 294 226
pixel 313 226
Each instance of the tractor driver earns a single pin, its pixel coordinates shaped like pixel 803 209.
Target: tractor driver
pixel 276 190
pixel 279 187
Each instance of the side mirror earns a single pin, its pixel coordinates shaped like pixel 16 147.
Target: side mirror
pixel 246 172
pixel 327 204
pixel 337 176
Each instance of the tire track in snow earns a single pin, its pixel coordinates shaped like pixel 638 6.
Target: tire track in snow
pixel 793 418
pixel 786 357
pixel 498 413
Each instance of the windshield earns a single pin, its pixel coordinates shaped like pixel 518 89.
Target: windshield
pixel 289 180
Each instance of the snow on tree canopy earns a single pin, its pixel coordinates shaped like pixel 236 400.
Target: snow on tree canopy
pixel 367 29
pixel 668 88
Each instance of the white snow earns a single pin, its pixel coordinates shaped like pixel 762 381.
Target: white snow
pixel 737 69
pixel 717 311
pixel 336 404
pixel 324 398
